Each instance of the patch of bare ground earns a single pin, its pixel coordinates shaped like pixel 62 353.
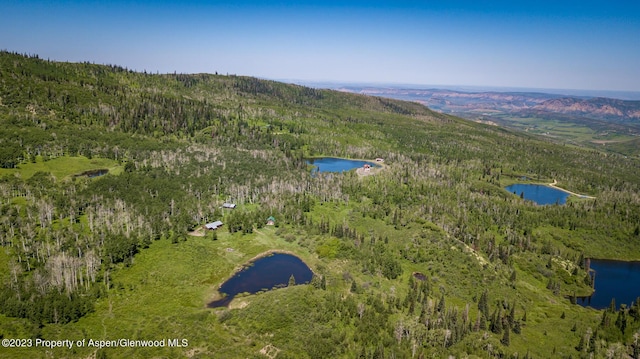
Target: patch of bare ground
pixel 198 232
pixel 363 172
pixel 193 352
pixel 238 304
pixel 270 351
pixel 567 191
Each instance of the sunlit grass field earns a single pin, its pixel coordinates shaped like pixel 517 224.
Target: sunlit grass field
pixel 62 167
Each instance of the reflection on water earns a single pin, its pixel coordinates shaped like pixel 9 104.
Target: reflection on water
pixel 264 274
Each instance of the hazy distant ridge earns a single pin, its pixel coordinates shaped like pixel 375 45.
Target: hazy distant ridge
pixel 452 101
pixel 604 108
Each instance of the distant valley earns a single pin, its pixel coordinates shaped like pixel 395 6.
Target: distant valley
pixel 592 121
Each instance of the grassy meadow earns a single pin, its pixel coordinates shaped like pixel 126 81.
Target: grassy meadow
pixel 63 167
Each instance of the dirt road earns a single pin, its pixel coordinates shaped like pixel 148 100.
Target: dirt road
pixel 567 191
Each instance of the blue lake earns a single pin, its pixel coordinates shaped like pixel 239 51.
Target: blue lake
pixel 540 194
pixel 264 274
pixel 331 164
pixel 613 279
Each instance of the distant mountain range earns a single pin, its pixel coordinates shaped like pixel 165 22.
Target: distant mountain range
pixel 592 121
pixel 474 104
pixel 599 108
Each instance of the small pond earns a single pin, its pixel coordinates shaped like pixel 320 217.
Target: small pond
pixel 613 279
pixel 540 194
pixel 264 273
pixel 94 173
pixel 331 164
pixel 419 276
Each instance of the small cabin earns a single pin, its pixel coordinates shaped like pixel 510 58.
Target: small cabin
pixel 379 159
pixel 213 225
pixel 271 221
pixel 229 205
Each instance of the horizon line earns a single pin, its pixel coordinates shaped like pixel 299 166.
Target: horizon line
pixel 459 87
pixel 629 95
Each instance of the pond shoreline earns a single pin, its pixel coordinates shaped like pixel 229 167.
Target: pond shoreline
pixel 246 264
pixel 375 166
pixel 540 194
pixel 553 185
pixel 612 280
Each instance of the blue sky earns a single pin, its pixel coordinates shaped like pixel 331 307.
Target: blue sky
pixel 534 44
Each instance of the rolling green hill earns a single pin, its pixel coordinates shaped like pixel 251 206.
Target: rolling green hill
pixel 120 256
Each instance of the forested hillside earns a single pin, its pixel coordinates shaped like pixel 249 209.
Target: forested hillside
pixel 114 256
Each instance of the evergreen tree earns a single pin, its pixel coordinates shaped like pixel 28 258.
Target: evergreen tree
pixel 604 322
pixel 517 328
pixel 580 346
pixel 441 304
pixel 592 341
pixel 621 320
pixel 483 322
pixel 506 338
pixel 483 304
pixel 496 321
pixel 316 281
pixel 512 314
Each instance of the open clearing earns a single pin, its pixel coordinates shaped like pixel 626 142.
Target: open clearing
pixel 62 167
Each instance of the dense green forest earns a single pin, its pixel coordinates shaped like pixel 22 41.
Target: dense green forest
pixel 115 256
